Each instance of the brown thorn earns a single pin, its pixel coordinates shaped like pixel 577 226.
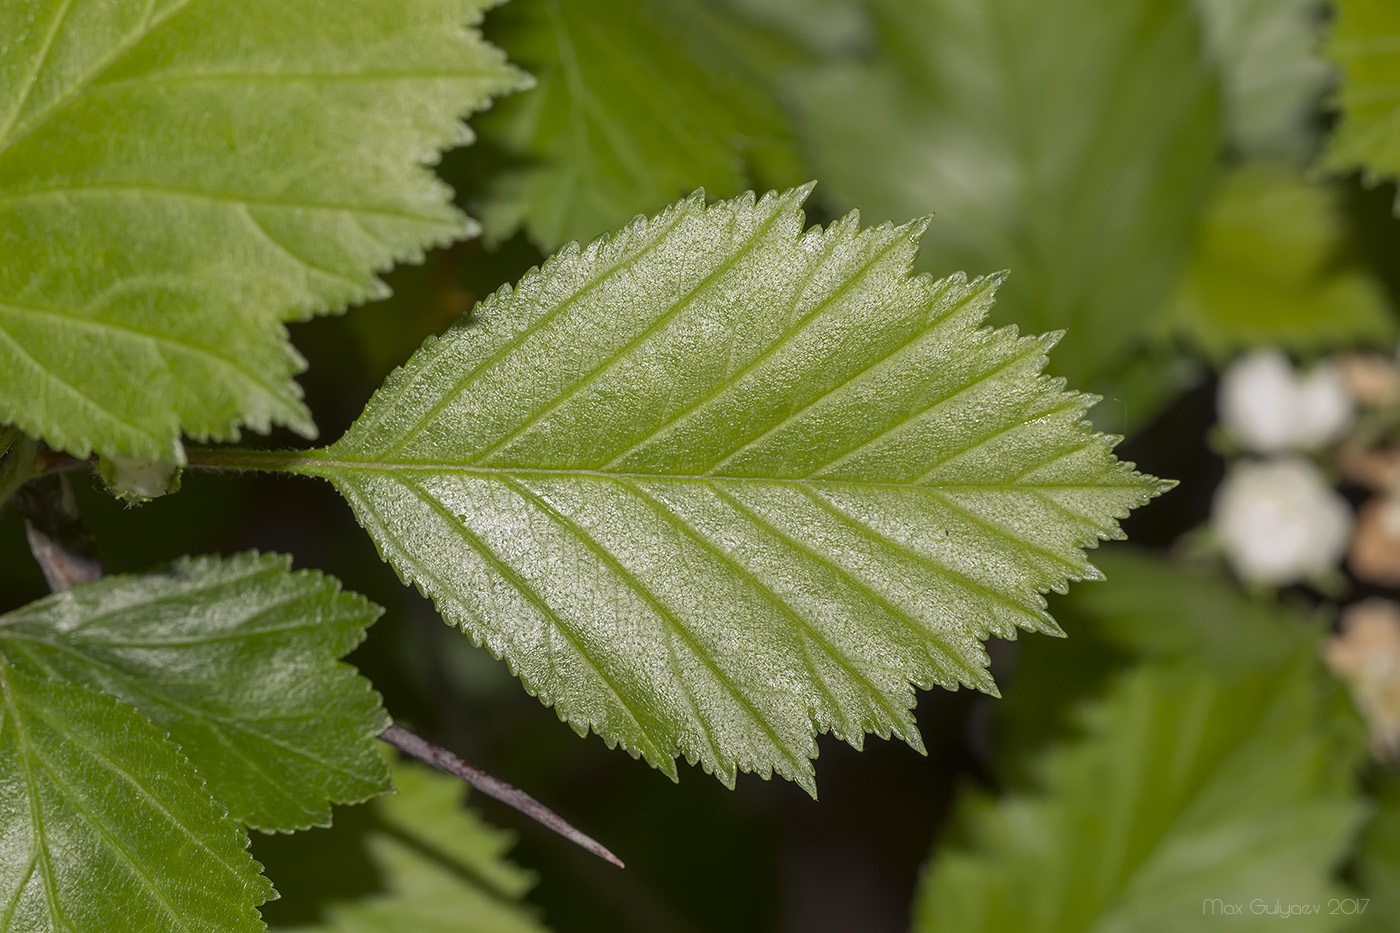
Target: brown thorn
pixel 57 537
pixel 445 761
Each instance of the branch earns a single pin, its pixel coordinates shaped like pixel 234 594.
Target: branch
pixel 57 537
pixel 443 760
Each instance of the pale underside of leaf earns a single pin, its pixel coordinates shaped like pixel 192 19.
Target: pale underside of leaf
pixel 107 827
pixel 179 178
pixel 1273 76
pixel 716 484
pixel 236 659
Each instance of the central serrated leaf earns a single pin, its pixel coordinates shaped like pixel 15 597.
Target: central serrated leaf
pixel 715 484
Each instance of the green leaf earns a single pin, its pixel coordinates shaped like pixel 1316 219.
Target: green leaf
pixel 236 659
pixel 435 867
pixel 715 484
pixel 106 827
pixel 17 452
pixel 624 120
pixel 1072 142
pixel 1187 788
pixel 824 27
pixel 178 179
pixel 1272 73
pixel 1269 268
pixel 1150 608
pixel 1365 46
pixel 1378 858
pixel 1158 609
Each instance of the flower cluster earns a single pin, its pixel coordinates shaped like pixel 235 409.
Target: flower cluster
pixel 1277 517
pixel 1280 520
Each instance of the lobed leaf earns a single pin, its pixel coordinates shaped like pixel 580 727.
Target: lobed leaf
pixel 266 163
pixel 716 484
pixel 624 119
pixel 107 828
pixel 438 867
pixel 236 659
pixel 1168 809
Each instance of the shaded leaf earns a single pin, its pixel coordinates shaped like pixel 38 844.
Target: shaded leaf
pixel 236 659
pixel 1081 171
pixel 106 827
pixel 625 118
pixel 17 452
pixel 266 163
pixel 1270 268
pixel 435 867
pixel 1176 797
pixel 715 484
pixel 1149 609
pixel 1378 859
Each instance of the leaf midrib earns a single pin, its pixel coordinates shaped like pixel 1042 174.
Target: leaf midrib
pixel 41 849
pixel 308 463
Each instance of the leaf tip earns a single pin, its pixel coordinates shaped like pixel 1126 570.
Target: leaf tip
pixel 1156 486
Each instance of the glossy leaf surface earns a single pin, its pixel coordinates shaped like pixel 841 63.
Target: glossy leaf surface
pixel 107 827
pixel 236 659
pixel 715 484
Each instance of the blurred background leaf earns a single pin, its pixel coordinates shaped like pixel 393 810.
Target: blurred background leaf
pixel 1364 43
pixel 1271 266
pixel 416 861
pixel 1082 172
pixel 1174 796
pixel 630 113
pixel 1273 75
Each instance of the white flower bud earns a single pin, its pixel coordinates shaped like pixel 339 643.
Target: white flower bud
pixel 1268 408
pixel 1279 522
pixel 138 480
